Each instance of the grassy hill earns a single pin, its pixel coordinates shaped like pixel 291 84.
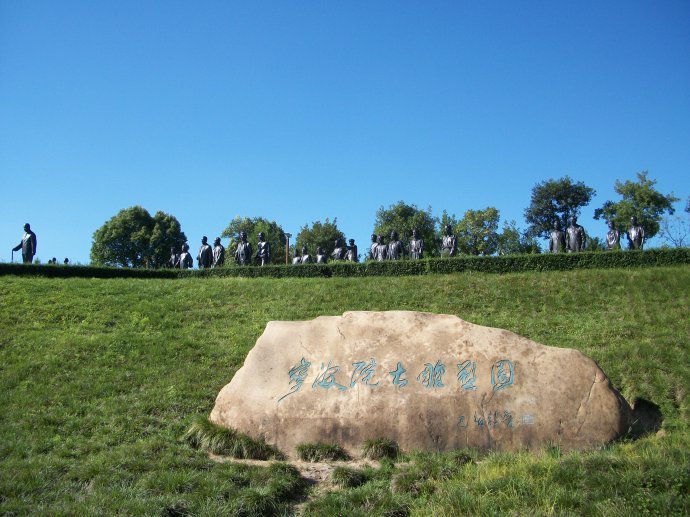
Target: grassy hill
pixel 99 380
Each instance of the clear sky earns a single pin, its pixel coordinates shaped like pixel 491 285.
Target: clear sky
pixel 301 110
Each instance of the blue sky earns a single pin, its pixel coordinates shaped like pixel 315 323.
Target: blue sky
pixel 299 111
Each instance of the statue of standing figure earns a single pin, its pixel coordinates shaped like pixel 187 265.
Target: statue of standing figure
pixel 338 251
pixel 174 260
pixel 306 257
pixel 575 237
pixel 243 254
pixel 556 239
pixel 205 256
pixel 263 250
pixel 449 244
pixel 381 249
pixel 395 247
pixel 635 235
pixel 321 257
pixel 218 253
pixel 613 237
pixel 416 246
pixel 27 245
pixel 351 254
pixel 186 261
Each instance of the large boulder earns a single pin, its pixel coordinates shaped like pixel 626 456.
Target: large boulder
pixel 427 381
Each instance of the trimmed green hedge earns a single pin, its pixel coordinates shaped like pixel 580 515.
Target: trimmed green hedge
pixel 61 271
pixel 507 264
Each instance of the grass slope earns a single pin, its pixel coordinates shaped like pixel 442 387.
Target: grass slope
pixel 100 379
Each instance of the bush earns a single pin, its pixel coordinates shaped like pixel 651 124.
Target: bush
pixel 501 264
pixel 344 477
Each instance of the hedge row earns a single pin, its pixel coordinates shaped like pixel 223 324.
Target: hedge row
pixel 507 264
pixel 61 271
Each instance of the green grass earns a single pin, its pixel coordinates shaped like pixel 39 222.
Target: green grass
pixel 379 448
pixel 101 379
pixel 228 442
pixel 320 452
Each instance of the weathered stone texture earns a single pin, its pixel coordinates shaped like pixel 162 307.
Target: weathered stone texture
pixel 463 385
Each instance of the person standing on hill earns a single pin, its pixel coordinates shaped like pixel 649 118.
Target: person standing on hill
pixel 27 245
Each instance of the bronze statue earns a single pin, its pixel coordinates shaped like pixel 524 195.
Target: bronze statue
pixel 635 235
pixel 575 237
pixel 297 259
pixel 263 250
pixel 613 237
pixel 449 245
pixel 395 247
pixel 27 245
pixel 243 254
pixel 204 258
pixel 381 249
pixel 374 244
pixel 174 260
pixel 321 257
pixel 186 261
pixel 218 253
pixel 338 252
pixel 556 239
pixel 351 254
pixel 306 257
pixel 416 246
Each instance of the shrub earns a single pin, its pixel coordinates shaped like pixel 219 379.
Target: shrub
pixel 345 477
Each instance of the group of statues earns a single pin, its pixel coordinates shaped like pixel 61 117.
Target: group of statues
pixel 574 238
pixel 340 252
pixel 213 257
pixel 395 249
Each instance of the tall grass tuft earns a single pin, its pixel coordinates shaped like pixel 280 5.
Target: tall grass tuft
pixel 321 452
pixel 204 434
pixel 345 477
pixel 379 448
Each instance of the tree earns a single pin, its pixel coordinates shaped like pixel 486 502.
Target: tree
pixel 132 238
pixel 477 232
pixel 166 234
pixel 404 218
pixel 320 234
pixel 639 199
pixel 512 241
pixel 675 230
pixel 273 233
pixel 555 200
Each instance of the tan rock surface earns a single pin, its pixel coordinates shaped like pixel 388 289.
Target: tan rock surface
pixel 427 381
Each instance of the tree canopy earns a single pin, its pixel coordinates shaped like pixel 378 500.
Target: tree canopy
pixel 512 241
pixel 132 238
pixel 404 218
pixel 319 234
pixel 555 200
pixel 640 199
pixel 273 233
pixel 477 232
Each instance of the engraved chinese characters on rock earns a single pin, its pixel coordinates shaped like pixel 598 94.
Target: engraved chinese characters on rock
pixel 331 374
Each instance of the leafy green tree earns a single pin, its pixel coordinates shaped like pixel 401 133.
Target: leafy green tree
pixel 404 218
pixel 319 234
pixel 273 232
pixel 555 200
pixel 132 238
pixel 477 232
pixel 512 241
pixel 166 234
pixel 639 199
